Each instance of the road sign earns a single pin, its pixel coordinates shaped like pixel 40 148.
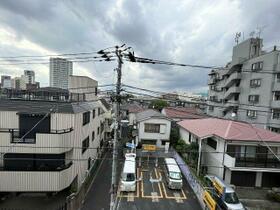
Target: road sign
pixel 130 145
pixel 149 147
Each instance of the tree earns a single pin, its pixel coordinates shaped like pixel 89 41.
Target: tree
pixel 174 135
pixel 158 104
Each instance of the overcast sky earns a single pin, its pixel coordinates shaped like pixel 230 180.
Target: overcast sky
pixel 186 31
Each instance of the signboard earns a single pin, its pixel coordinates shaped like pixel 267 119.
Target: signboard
pixel 130 145
pixel 149 147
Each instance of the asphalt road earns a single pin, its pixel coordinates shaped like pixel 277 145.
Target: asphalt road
pixel 153 193
pixel 98 197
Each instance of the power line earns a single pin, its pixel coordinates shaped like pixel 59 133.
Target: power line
pixel 154 61
pixel 199 103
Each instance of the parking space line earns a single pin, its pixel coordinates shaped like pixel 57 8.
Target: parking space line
pixel 184 197
pixel 153 196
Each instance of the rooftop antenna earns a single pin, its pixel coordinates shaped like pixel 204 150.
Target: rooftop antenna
pixel 237 36
pixel 259 30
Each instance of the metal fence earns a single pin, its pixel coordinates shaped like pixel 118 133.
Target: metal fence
pixel 192 180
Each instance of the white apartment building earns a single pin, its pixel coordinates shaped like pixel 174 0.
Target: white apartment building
pixel 29 76
pixel 57 153
pixel 19 83
pixel 249 86
pixel 234 151
pixel 153 128
pixel 60 70
pixel 6 82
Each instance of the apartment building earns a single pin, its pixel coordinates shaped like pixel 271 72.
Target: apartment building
pixel 60 70
pixel 239 153
pixel 248 86
pixel 49 144
pixel 6 81
pixel 29 76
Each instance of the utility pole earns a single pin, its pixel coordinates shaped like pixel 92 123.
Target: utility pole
pixel 117 103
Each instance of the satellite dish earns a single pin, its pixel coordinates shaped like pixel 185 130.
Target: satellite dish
pixel 233 114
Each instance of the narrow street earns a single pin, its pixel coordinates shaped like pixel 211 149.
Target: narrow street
pixel 98 197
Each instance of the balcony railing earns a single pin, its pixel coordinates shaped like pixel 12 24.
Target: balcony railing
pixel 37 181
pixel 17 138
pixel 54 142
pixel 251 162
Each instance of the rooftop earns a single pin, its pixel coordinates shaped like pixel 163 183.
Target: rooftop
pixel 183 113
pixel 228 130
pixel 33 106
pixel 149 113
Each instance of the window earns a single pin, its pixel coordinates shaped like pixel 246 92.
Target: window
pixel 252 113
pixel 100 111
pixel 93 114
pixel 212 143
pixel 278 77
pixel 276 114
pixel 253 98
pixel 102 127
pixel 86 118
pixel 98 130
pixel 255 82
pixel 85 145
pixel 211 108
pixel 152 128
pixel 257 66
pixel 213 87
pixel 276 96
pixel 93 135
pixel 213 98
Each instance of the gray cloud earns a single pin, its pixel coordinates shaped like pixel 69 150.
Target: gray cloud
pixel 180 31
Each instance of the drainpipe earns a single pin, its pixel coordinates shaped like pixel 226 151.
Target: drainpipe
pixel 199 157
pixel 223 163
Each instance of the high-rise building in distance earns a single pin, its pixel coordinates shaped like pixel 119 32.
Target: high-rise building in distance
pixel 6 81
pixel 29 76
pixel 60 70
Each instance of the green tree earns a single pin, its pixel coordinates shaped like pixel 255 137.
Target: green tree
pixel 158 104
pixel 174 135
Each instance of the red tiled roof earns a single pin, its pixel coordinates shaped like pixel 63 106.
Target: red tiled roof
pixel 183 113
pixel 228 129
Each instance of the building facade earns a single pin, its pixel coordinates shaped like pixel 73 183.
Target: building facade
pixel 29 77
pixel 237 152
pixel 6 82
pixel 248 88
pixel 153 128
pixel 52 144
pixel 60 70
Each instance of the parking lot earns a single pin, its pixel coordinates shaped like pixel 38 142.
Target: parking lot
pixel 152 192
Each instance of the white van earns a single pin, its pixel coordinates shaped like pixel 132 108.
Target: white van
pixel 128 176
pixel 172 174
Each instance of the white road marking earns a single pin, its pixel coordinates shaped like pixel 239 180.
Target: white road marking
pixel 154 196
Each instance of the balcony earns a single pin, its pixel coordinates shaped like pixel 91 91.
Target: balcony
pixel 55 142
pixel 36 181
pixel 212 81
pixel 232 90
pixel 233 78
pixel 275 104
pixel 247 162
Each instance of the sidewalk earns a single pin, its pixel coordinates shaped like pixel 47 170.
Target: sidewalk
pixel 255 199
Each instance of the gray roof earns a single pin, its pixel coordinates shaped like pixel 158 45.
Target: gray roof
pixel 149 113
pixel 36 106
